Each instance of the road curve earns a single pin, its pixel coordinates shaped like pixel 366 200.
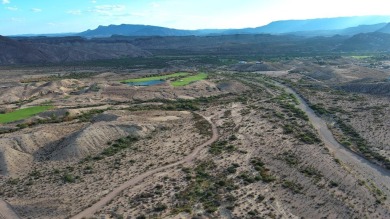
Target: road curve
pixel 110 196
pixel 375 173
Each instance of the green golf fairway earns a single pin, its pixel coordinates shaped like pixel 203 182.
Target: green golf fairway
pixel 180 74
pixel 22 113
pixel 190 79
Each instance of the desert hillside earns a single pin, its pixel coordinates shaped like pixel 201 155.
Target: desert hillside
pixel 302 137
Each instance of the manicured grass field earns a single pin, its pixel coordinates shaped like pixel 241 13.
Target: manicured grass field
pixel 190 79
pixel 22 113
pixel 180 74
pixel 360 57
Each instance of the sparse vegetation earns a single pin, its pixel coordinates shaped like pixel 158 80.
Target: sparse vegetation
pixel 293 186
pixel 203 126
pixel 290 158
pixel 352 139
pixel 221 146
pixel 87 116
pixel 119 145
pixel 268 155
pixel 208 188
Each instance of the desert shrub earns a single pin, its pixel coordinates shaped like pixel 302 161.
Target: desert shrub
pixel 260 198
pixel 290 158
pixel 308 137
pixel 233 138
pixel 22 125
pixel 288 129
pixel 310 171
pixel 319 109
pixel 160 207
pixel 35 174
pixel 13 181
pixel 220 147
pixel 333 184
pixel 263 173
pixel 293 186
pixel 87 116
pixel 68 178
pixel 207 188
pixel 202 125
pixel 117 146
pixel 232 169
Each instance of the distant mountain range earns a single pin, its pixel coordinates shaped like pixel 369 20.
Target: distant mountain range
pixel 310 27
pixel 294 37
pixel 62 49
pixel 40 50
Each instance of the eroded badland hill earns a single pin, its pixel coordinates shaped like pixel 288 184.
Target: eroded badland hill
pixel 277 138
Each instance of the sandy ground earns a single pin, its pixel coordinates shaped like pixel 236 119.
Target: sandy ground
pixel 259 164
pixel 136 180
pixel 260 135
pixel 378 175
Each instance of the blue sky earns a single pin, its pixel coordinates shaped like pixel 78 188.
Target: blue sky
pixel 56 16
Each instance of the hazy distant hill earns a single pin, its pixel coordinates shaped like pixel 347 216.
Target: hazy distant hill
pixel 263 44
pixel 362 29
pixel 62 49
pixel 371 42
pixel 385 29
pixel 288 26
pixel 345 32
pixel 134 30
pixel 309 27
pixel 13 52
pixel 70 49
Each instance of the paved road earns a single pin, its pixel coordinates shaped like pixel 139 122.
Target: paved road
pixel 375 173
pixel 6 211
pixel 109 197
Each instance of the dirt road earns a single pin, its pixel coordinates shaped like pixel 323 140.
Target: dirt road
pixel 359 165
pixel 6 211
pixel 105 200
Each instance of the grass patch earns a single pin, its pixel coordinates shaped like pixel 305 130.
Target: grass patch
pixel 190 79
pixel 161 77
pixel 22 113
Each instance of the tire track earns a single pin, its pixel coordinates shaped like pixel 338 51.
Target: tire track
pixel 6 211
pixel 88 212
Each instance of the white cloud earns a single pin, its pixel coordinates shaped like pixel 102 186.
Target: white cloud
pixel 93 2
pixel 109 10
pixel 12 8
pixel 5 2
pixel 36 10
pixel 74 12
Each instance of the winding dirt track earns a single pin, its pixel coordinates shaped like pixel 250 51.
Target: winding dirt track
pixel 110 196
pixel 358 164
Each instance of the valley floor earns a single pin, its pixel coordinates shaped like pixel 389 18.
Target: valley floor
pixel 236 145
